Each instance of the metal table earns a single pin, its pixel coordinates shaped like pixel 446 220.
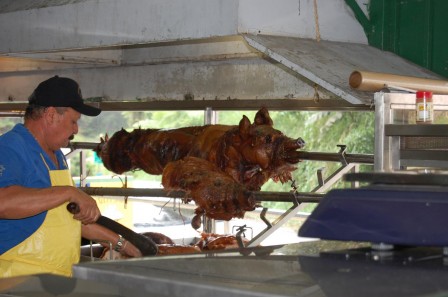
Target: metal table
pixel 290 270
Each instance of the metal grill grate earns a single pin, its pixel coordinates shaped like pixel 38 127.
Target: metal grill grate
pixel 424 143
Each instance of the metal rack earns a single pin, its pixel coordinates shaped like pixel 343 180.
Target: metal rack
pixel 349 162
pixel 400 143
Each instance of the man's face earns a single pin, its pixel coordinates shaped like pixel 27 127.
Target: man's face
pixel 65 127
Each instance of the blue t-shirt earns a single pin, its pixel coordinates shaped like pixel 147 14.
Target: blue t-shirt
pixel 21 164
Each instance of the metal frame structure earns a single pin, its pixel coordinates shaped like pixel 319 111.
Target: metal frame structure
pixel 397 135
pixel 349 162
pixel 17 109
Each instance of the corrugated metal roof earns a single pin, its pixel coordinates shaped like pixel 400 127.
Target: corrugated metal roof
pixel 329 64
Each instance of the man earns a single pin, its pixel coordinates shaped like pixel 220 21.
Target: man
pixel 37 233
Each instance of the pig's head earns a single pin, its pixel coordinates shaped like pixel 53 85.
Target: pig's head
pixel 265 151
pixel 114 152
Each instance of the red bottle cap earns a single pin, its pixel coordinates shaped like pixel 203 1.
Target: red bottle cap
pixel 424 94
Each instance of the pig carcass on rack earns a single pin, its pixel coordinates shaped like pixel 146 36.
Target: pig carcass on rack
pixel 218 166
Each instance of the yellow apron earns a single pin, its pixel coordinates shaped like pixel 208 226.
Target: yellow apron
pixel 54 247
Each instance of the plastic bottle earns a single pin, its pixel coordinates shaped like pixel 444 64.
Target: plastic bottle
pixel 423 107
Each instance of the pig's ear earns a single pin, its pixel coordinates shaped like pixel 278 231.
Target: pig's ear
pixel 263 118
pixel 244 127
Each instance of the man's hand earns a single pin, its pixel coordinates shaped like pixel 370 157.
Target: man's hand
pixel 88 211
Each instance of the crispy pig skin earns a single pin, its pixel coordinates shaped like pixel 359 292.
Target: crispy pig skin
pixel 216 194
pixel 230 161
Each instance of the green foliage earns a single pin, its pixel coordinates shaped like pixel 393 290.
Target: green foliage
pixel 169 119
pixel 8 124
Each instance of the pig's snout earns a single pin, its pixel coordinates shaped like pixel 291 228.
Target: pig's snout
pixel 293 144
pixel 300 142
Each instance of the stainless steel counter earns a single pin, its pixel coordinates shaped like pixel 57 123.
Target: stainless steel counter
pixel 312 269
pixel 44 285
pixel 290 270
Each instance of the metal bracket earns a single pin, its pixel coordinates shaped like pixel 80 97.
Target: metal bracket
pixel 325 184
pixel 335 176
pixel 264 218
pixel 342 149
pixel 240 231
pixel 272 227
pixel 320 178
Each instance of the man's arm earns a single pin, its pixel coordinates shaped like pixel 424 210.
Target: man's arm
pixel 97 232
pixel 18 202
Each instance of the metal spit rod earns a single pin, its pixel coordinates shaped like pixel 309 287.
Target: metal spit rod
pixel 304 155
pixel 139 192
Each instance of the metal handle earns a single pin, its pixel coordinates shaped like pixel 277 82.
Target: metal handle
pixel 73 208
pixel 146 245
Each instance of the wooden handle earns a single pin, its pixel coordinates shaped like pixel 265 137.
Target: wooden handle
pixel 374 81
pixel 73 208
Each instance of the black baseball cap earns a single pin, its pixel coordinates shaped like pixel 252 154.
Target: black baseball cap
pixel 62 92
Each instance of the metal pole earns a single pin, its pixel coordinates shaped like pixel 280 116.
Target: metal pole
pixel 161 193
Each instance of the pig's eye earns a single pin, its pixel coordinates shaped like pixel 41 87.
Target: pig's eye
pixel 268 139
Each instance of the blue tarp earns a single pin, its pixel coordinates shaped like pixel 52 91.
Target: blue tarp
pixel 404 217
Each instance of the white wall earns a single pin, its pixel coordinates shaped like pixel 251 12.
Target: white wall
pixel 297 18
pixel 101 23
